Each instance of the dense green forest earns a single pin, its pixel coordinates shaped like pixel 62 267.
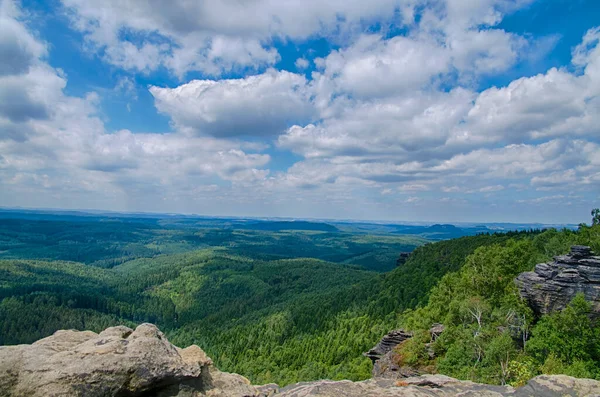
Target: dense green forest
pixel 491 335
pixel 284 320
pixel 108 242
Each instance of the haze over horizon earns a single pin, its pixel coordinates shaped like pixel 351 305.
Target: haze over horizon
pixel 445 110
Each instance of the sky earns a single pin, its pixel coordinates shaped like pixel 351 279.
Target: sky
pixel 399 110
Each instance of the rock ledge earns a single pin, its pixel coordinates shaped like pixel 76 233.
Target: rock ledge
pixel 551 286
pixel 122 362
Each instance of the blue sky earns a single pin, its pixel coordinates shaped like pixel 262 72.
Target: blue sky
pixel 426 110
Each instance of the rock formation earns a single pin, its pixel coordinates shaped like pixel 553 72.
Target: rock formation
pixel 116 362
pixel 402 258
pixel 551 286
pixel 387 343
pixel 122 362
pixel 387 362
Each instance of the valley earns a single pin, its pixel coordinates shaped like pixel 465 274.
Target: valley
pixel 274 303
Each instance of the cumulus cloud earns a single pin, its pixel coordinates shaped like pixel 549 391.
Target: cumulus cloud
pixel 374 67
pixel 18 48
pixel 302 63
pixel 57 144
pixel 400 129
pixel 258 105
pixel 537 130
pixel 220 37
pixel 380 114
pixel 208 36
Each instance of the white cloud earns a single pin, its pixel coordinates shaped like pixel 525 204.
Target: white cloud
pixel 19 49
pixel 535 131
pixel 490 189
pixel 538 200
pixel 208 36
pixel 373 67
pixel 219 37
pixel 555 179
pixel 413 187
pixel 402 129
pixel 53 145
pixel 302 63
pixel 450 189
pixel 253 106
pixel 381 114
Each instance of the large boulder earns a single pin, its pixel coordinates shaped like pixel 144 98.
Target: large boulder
pixel 551 286
pixel 116 362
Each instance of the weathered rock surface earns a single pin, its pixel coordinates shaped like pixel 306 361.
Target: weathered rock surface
pixel 122 362
pixel 117 362
pixel 385 359
pixel 552 286
pixel 387 362
pixel 387 343
pixel 443 386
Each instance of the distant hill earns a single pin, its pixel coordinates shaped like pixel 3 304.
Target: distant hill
pixel 441 231
pixel 288 225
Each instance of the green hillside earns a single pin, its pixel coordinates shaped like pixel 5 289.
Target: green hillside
pixel 108 242
pixel 278 320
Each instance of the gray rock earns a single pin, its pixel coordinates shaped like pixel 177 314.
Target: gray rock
pixel 386 360
pixel 117 362
pixel 268 390
pixel 552 286
pixel 387 343
pixel 122 362
pixel 443 386
pixel 388 367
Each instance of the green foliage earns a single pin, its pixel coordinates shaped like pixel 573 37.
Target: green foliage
pixel 566 337
pixel 521 369
pixel 490 334
pixel 258 306
pixel 271 319
pixel 108 242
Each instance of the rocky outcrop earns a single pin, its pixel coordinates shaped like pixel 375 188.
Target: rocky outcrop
pixel 443 386
pixel 387 343
pixel 387 362
pixel 402 258
pixel 122 362
pixel 116 362
pixel 551 286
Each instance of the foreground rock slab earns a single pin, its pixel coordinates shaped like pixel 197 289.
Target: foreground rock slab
pixel 552 286
pixel 443 386
pixel 122 362
pixel 117 362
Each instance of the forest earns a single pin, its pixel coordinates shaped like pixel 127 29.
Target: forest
pixel 285 305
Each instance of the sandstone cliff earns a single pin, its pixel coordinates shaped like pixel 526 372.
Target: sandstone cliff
pixel 551 286
pixel 141 362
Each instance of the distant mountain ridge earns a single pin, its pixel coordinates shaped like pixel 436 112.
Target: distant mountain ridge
pixel 233 221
